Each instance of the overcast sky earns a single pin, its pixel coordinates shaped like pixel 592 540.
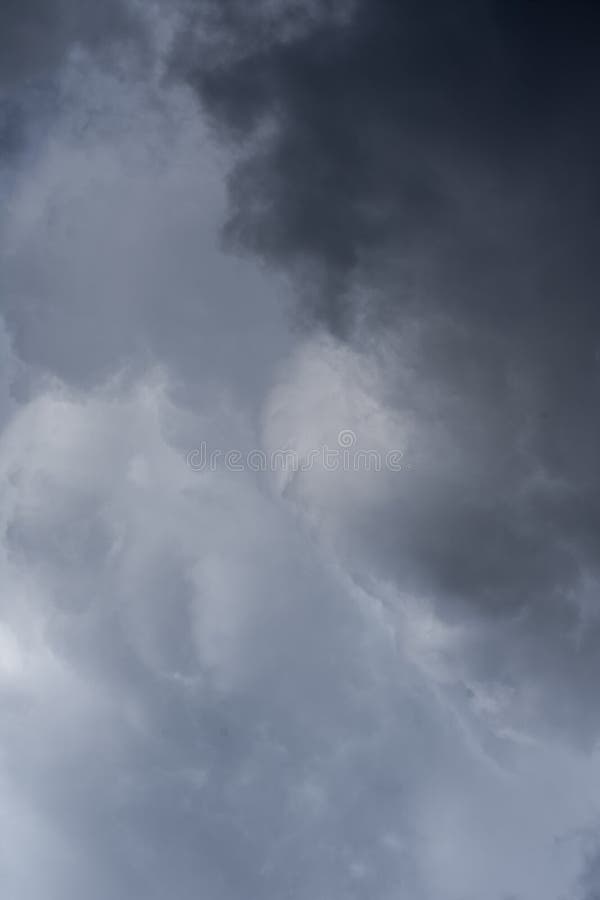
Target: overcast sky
pixel 237 236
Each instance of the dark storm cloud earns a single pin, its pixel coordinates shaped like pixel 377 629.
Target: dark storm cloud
pixel 444 157
pixel 396 125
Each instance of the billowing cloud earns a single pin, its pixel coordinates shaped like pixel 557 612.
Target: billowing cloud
pixel 427 174
pixel 364 667
pixel 195 696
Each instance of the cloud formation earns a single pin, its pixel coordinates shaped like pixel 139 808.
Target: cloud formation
pixel 428 175
pixel 312 684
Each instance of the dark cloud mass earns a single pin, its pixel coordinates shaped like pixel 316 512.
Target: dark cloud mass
pixel 407 123
pixel 443 158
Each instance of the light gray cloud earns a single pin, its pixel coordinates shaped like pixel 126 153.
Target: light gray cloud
pixel 193 701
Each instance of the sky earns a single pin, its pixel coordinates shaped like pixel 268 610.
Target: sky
pixel 299 450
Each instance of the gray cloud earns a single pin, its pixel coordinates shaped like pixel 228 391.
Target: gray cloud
pixel 406 125
pixel 440 163
pixel 37 36
pixel 325 684
pixel 37 39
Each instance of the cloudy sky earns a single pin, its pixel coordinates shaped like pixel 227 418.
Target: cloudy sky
pixel 299 450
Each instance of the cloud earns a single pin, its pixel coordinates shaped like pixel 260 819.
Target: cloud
pixel 195 696
pixel 439 135
pixel 333 683
pixel 109 243
pixel 426 175
pixel 37 39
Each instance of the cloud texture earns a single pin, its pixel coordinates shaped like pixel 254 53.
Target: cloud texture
pixel 259 228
